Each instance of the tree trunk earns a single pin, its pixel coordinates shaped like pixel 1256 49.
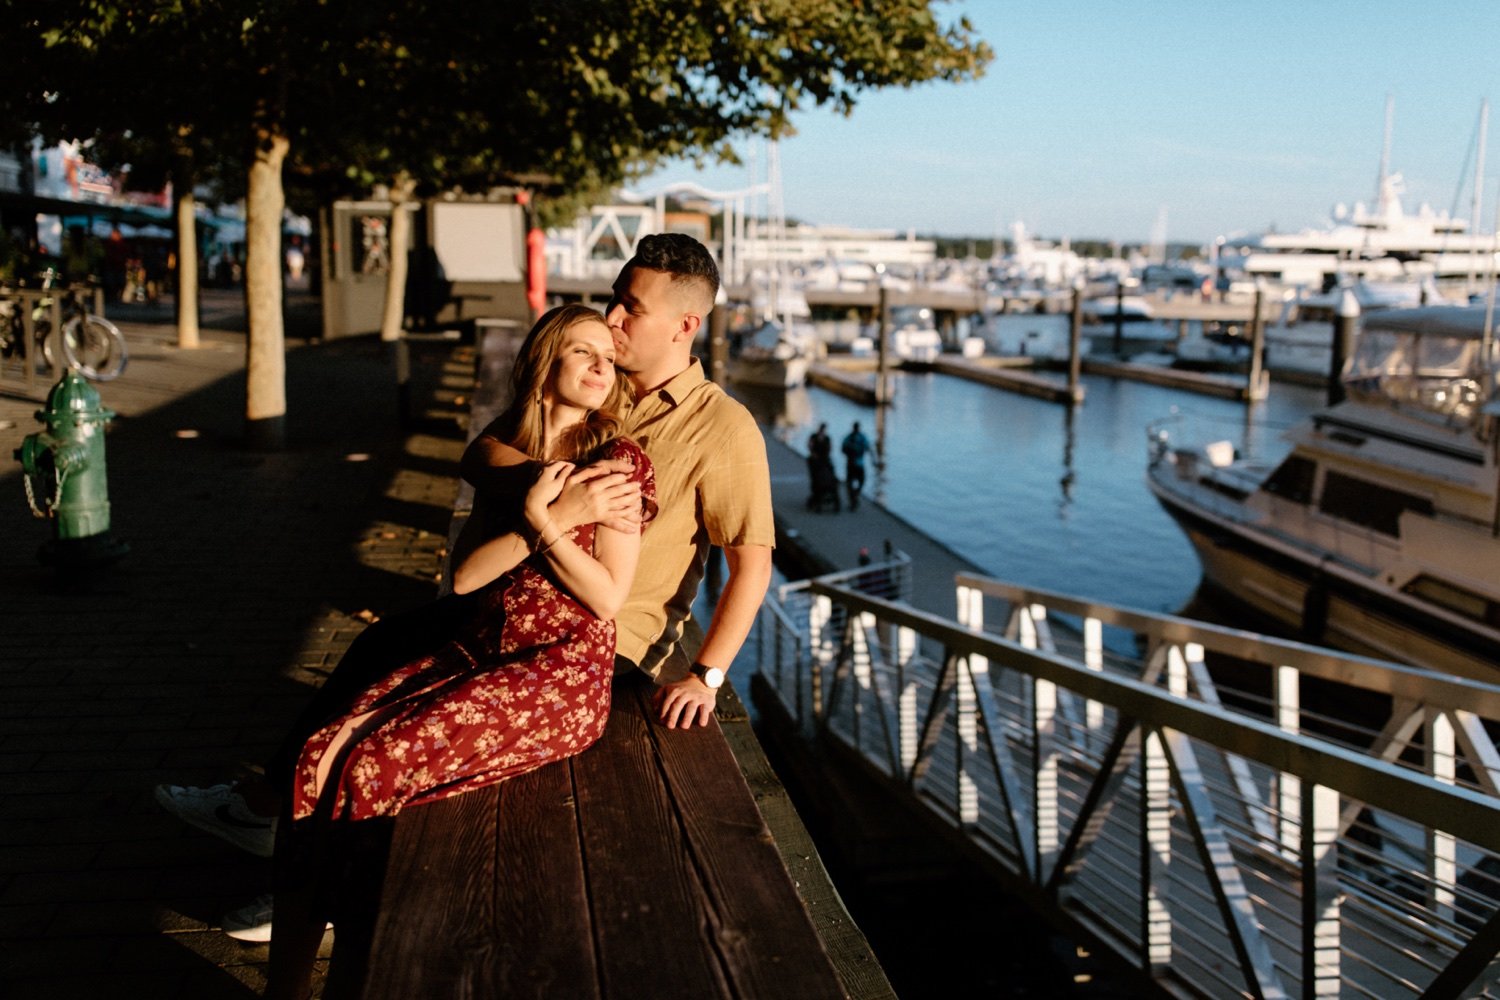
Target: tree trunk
pixel 265 347
pixel 185 213
pixel 400 243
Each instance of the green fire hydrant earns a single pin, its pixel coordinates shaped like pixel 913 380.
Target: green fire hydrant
pixel 65 477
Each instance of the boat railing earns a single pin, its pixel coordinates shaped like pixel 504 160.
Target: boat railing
pixel 1178 792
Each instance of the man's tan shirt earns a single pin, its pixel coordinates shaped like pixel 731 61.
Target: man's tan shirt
pixel 713 487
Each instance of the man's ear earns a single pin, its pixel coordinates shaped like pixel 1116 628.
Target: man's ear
pixel 691 323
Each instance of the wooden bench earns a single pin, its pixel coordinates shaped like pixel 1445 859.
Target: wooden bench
pixel 640 868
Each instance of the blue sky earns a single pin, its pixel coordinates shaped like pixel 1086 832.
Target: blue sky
pixel 1096 116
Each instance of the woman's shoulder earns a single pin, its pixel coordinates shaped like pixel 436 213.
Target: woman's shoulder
pixel 624 447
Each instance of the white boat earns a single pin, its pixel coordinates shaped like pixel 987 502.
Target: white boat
pixel 771 356
pixel 1380 530
pixel 1300 340
pixel 1124 326
pixel 1384 243
pixel 914 334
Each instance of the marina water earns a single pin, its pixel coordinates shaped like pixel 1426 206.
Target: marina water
pixel 1035 492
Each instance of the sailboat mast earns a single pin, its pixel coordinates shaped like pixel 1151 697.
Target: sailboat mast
pixel 1484 127
pixel 1385 155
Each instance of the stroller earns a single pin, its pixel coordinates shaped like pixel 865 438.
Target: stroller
pixel 825 486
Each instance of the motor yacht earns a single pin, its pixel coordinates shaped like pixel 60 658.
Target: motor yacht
pixel 1379 531
pixel 773 356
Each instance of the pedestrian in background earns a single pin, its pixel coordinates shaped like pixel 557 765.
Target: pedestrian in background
pixel 855 447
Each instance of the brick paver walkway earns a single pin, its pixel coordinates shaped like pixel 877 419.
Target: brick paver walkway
pixel 248 575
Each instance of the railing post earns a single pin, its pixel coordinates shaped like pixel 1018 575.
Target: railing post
pixel 861 655
pixel 1442 848
pixel 1093 658
pixel 906 711
pixel 818 614
pixel 1322 974
pixel 1155 854
pixel 968 743
pixel 1044 795
pixel 1288 696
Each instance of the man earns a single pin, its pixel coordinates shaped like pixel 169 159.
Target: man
pixel 712 479
pixel 854 447
pixel 713 488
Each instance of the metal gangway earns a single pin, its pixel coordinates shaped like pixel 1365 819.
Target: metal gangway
pixel 1228 814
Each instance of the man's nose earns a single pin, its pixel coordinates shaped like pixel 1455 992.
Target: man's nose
pixel 614 314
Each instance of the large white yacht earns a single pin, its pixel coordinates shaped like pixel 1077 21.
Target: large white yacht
pixel 1379 532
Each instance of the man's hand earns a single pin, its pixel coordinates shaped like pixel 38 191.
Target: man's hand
pixel 682 703
pixel 601 493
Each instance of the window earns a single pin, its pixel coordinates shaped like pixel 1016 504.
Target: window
pixel 1465 602
pixel 1364 503
pixel 1293 480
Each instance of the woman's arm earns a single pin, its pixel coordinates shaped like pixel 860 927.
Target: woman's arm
pixel 600 580
pixel 478 559
pixel 485 547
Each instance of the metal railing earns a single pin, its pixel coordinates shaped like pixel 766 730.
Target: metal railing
pixel 1232 814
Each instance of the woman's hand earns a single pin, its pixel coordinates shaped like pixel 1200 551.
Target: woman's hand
pixel 548 486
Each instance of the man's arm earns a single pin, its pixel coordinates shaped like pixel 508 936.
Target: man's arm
pixel 688 701
pixel 601 493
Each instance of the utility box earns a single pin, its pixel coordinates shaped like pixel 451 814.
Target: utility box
pixel 467 261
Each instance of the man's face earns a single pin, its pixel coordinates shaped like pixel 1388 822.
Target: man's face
pixel 645 315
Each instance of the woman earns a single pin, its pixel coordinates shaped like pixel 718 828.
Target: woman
pixel 526 681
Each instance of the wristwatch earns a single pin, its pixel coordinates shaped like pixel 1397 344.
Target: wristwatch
pixel 712 677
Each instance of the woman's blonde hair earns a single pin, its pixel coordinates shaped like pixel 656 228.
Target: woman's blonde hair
pixel 522 422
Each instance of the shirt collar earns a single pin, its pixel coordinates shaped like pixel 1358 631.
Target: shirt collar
pixel 679 386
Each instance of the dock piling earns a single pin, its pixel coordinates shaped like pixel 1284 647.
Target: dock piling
pixel 1075 342
pixel 1344 324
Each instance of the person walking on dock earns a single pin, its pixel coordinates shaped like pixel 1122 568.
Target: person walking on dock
pixel 855 447
pixel 823 482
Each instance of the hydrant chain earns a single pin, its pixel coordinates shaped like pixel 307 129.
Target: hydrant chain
pixel 51 508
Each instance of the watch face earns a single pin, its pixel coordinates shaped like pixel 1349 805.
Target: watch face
pixel 711 676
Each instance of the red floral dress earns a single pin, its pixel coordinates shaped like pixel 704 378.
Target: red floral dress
pixel 527 683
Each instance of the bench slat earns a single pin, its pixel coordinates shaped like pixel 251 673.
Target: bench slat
pixel 477 907
pixel 647 900
pixel 763 933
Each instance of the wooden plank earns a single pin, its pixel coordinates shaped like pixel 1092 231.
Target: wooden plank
pixel 847 947
pixel 647 900
pixel 485 896
pixel 759 927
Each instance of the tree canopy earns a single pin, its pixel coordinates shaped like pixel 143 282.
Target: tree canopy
pixel 560 96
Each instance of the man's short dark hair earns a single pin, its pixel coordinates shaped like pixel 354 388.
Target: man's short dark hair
pixel 681 256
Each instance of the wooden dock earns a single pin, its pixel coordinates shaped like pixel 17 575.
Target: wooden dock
pixel 1012 378
pixel 1206 383
pixel 856 382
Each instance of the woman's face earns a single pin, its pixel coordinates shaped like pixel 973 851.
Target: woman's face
pixel 585 368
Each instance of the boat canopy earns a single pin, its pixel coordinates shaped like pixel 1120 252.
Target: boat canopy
pixel 1426 362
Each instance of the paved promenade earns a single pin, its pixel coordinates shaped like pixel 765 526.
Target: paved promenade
pixel 248 575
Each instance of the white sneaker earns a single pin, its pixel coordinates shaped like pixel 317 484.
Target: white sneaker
pixel 221 811
pixel 251 922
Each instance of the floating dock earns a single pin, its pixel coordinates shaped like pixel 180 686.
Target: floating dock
pixel 1206 383
pixel 1002 373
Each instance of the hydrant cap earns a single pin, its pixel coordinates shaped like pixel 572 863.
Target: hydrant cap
pixel 75 397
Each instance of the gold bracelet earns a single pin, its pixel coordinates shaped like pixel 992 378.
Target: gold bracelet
pixel 541 536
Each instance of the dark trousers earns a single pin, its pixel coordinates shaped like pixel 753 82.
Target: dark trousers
pixel 379 649
pixel 854 481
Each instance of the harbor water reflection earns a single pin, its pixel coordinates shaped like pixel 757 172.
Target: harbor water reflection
pixel 1040 494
